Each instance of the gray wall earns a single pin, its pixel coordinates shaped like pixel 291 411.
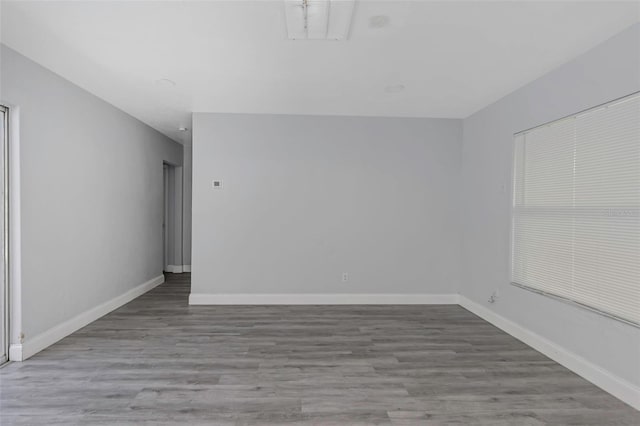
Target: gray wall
pixel 91 187
pixel 609 71
pixel 306 198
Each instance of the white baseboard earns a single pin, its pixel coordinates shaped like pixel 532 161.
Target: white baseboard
pixel 15 352
pixel 175 269
pixel 616 386
pixel 322 299
pixel 34 345
pixel 178 269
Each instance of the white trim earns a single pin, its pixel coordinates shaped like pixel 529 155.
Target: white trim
pixel 34 345
pixel 175 269
pixel 616 386
pixel 322 299
pixel 173 217
pixel 165 216
pixel 15 229
pixel 15 352
pixel 177 214
pixel 178 269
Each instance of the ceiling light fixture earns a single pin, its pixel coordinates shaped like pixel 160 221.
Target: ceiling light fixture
pixel 182 129
pixel 318 19
pixel 394 88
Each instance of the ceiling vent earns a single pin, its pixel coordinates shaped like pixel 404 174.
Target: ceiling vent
pixel 318 19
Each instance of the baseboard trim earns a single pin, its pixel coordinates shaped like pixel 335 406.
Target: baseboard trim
pixel 322 299
pixel 30 347
pixel 616 386
pixel 15 352
pixel 178 269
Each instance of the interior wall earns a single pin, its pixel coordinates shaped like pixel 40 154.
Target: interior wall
pixel 307 198
pixel 607 72
pixel 91 195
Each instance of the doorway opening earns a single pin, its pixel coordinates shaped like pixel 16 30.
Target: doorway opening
pixel 172 218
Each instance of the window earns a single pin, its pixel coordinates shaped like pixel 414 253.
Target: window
pixel 576 209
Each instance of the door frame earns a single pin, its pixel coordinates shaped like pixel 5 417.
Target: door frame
pixel 165 216
pixel 172 244
pixel 4 338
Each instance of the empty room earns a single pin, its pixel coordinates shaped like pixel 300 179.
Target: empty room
pixel 319 212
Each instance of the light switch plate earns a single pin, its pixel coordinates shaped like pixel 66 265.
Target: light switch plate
pixel 216 184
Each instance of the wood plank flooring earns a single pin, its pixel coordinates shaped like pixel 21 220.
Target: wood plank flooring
pixel 159 361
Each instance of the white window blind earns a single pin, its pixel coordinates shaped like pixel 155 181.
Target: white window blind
pixel 576 209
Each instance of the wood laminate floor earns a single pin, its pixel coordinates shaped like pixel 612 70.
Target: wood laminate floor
pixel 159 361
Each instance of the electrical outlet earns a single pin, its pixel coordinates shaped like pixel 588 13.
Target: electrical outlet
pixel 494 296
pixel 345 277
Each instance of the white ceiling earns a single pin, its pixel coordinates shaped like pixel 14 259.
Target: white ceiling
pixel 452 57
